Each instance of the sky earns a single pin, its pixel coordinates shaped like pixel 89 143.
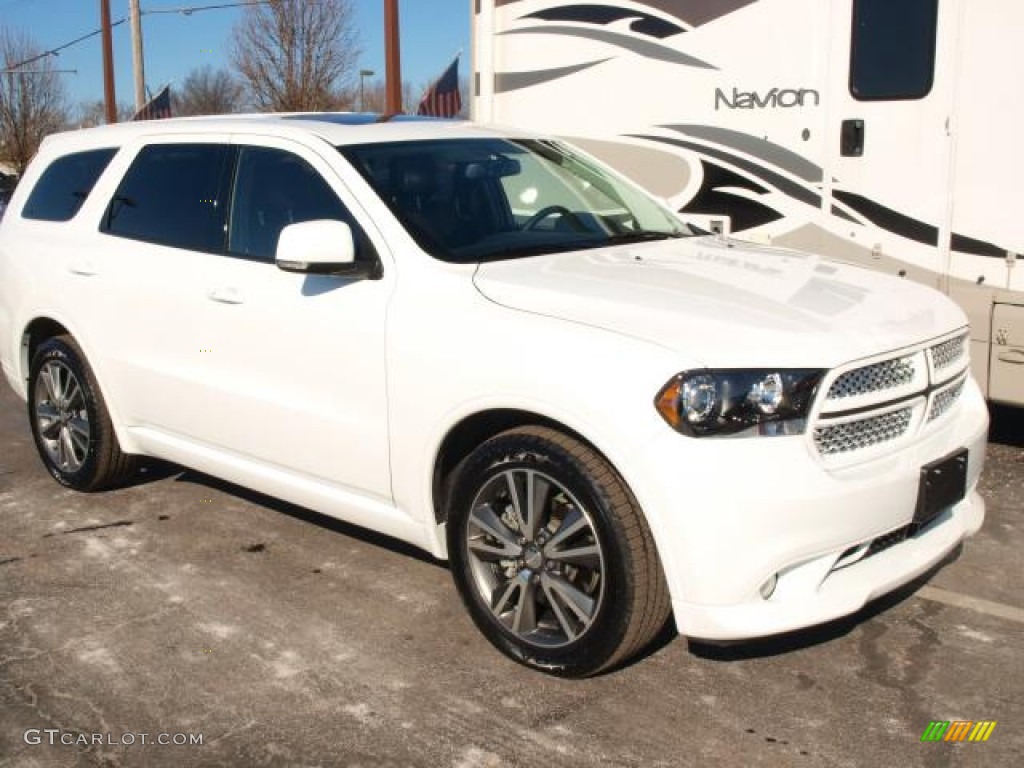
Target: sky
pixel 433 31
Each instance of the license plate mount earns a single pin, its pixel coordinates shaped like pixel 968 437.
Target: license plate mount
pixel 943 484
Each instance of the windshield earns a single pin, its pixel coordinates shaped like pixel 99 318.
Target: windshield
pixel 471 200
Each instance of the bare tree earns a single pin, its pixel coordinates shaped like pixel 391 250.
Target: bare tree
pixel 208 91
pixel 374 96
pixel 32 100
pixel 93 113
pixel 296 55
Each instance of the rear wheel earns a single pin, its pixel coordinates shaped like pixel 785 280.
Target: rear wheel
pixel 72 429
pixel 551 554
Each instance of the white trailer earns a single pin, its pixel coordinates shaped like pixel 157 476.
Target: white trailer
pixel 879 132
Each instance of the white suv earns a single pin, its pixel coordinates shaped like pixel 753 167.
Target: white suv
pixel 491 346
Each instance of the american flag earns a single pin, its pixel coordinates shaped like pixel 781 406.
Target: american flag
pixel 443 99
pixel 156 108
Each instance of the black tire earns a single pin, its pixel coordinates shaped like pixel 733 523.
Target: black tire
pixel 93 461
pixel 630 593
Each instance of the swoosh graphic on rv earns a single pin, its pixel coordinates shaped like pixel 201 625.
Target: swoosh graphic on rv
pixel 781 183
pixel 912 229
pixel 773 154
pixel 644 48
pixel 513 81
pixel 872 211
pixel 644 24
pixel 716 196
pixel 695 13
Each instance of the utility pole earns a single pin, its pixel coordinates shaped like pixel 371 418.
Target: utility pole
pixel 138 68
pixel 393 59
pixel 109 99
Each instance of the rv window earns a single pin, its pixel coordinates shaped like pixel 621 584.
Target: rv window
pixel 893 49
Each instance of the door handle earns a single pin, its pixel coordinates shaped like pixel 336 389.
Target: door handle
pixel 1012 356
pixel 83 269
pixel 226 295
pixel 851 138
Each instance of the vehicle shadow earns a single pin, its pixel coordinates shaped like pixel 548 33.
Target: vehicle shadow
pixel 308 516
pixel 1006 425
pixel 1004 430
pixel 151 471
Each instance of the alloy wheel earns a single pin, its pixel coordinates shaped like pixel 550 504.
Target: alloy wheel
pixel 62 418
pixel 535 557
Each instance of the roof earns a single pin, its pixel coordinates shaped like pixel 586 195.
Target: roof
pixel 334 127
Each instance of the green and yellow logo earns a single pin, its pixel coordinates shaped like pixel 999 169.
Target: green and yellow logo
pixel 958 730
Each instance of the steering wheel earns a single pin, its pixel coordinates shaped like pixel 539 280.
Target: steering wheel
pixel 551 210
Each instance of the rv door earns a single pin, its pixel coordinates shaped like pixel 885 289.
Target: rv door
pixel 889 148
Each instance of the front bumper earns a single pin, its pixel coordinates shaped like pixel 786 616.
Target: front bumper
pixel 728 514
pixel 814 592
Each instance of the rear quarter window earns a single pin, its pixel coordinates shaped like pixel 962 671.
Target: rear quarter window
pixel 65 184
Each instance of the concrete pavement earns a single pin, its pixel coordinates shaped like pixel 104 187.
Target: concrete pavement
pixel 184 606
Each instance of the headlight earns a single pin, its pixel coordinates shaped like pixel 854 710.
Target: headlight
pixel 742 403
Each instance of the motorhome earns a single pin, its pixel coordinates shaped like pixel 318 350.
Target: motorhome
pixel 878 133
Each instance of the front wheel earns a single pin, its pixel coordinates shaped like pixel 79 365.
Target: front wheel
pixel 72 429
pixel 551 554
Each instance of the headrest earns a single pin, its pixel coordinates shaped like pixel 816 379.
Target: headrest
pixel 414 175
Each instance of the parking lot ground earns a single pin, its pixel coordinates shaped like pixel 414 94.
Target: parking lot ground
pixel 186 606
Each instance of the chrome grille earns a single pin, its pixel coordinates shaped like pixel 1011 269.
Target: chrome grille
pixel 879 377
pixel 945 400
pixel 863 433
pixel 883 403
pixel 948 352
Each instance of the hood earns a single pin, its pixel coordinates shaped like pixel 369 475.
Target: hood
pixel 722 303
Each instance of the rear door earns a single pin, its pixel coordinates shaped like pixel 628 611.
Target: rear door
pixel 161 228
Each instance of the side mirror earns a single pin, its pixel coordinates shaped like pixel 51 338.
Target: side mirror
pixel 322 247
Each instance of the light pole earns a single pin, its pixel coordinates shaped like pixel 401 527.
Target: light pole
pixel 363 74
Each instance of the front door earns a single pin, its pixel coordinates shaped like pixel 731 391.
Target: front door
pixel 296 363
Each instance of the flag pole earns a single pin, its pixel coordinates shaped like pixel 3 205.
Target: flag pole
pixel 393 59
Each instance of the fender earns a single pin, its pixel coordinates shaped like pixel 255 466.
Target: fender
pixel 21 365
pixel 616 449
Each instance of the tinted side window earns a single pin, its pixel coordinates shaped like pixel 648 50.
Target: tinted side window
pixel 893 49
pixel 273 189
pixel 173 195
pixel 65 185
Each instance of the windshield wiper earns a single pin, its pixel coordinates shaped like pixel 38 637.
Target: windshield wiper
pixel 536 250
pixel 642 237
pixel 579 245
